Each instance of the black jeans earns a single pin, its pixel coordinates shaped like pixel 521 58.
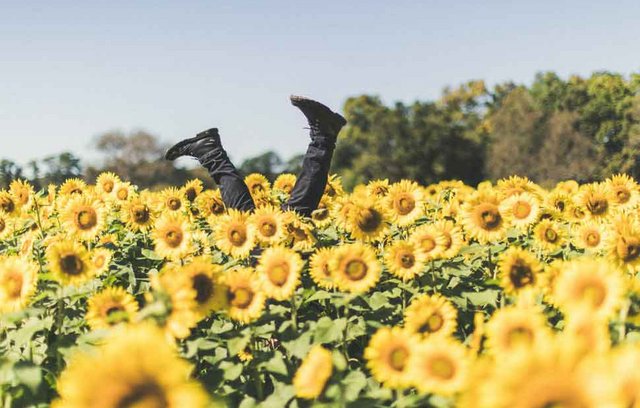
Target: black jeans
pixel 306 193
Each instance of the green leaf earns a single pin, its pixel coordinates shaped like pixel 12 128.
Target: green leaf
pixel 281 395
pixel 319 295
pixel 300 346
pixel 353 383
pixel 276 364
pixel 378 300
pixel 487 297
pixel 329 330
pixel 231 371
pixel 147 253
pixel 29 375
pixel 339 361
pixel 238 344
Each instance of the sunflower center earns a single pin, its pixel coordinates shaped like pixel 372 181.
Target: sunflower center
pixel 191 194
pixel 519 335
pixel 560 205
pixel 99 261
pixel 71 264
pixel 216 207
pixel 325 270
pixel 278 273
pixel 490 218
pixel 446 240
pixel 521 210
pixel 432 324
pixel 7 205
pixel 107 186
pixel 145 395
pixel 86 219
pixel 550 235
pixel 13 284
pixel 174 204
pixel 268 228
pixel 628 248
pixel 237 236
pixel 428 243
pixel 623 195
pixel 443 368
pixel 405 204
pixel 597 206
pixel 141 214
pixel 594 294
pixel 407 259
pixel 173 237
pixel 203 286
pixel 3 225
pixel 369 220
pixel 578 213
pixel 398 358
pixel 123 194
pixel 356 269
pixel 592 238
pixel 320 214
pixel 521 274
pixel 241 298
pixel 115 314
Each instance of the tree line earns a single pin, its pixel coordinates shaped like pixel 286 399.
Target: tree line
pixel 582 128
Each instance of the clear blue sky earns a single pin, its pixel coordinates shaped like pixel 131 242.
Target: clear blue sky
pixel 70 70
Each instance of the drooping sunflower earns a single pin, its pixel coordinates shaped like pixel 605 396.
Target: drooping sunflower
pixel 171 236
pixel 71 187
pixel 84 218
pixel 101 259
pixel 246 300
pixel 516 185
pixel 388 354
pixel 429 240
pixel 319 268
pixel 590 236
pixel 171 200
pixel 257 184
pixel 440 366
pixel 482 219
pixel 279 272
pixel 625 191
pixel 321 216
pixel 206 281
pixel 106 183
pixel 450 239
pixel 355 268
pixel 18 279
pixel 174 290
pixel 519 270
pixel 8 206
pixel 269 225
pixel 378 188
pixel 334 187
pixel 567 186
pixel 623 246
pixel 234 235
pixel 513 327
pixel 109 307
pixel 405 202
pixel 138 213
pixel 210 203
pixel 549 235
pixel 522 210
pixel 192 189
pixel 285 182
pixel 136 366
pixel 23 194
pixel 314 372
pixel 368 221
pixel 431 315
pixel 404 260
pixel 590 284
pixel 300 232
pixel 597 199
pixel 69 262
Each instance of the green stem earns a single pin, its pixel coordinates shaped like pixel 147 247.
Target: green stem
pixel 346 331
pixel 294 313
pixel 58 326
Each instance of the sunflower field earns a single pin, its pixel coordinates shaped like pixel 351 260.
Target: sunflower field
pixel 395 294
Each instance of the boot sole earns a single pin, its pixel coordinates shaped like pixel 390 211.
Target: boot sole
pixel 298 101
pixel 173 152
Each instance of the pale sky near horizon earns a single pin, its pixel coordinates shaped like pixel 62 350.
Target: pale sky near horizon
pixel 71 70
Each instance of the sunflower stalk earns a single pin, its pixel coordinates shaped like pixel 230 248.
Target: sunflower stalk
pixel 294 313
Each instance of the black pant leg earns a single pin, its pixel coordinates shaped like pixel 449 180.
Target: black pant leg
pixel 233 189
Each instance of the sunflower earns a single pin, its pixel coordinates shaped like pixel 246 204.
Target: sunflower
pixel 319 268
pixel 519 270
pixel 5 226
pixel 210 293
pixel 567 186
pixel 588 284
pixel 210 203
pixel 516 185
pixel 388 354
pixel 431 315
pixel 321 216
pixel 482 219
pixel 439 366
pixel 138 213
pixel 234 235
pixel 109 307
pixel 590 236
pixel 576 213
pixel 378 188
pixel 314 372
pixel 171 200
pixel 192 189
pixel 624 190
pixel 137 367
pixel 84 218
pixel 71 187
pixel 174 290
pixel 123 191
pixel 279 272
pixel 429 240
pixel 621 371
pixel 285 182
pixel 586 334
pixel 69 262
pixel 405 202
pixel 171 236
pixel 300 233
pixel 257 184
pixel 404 260
pixel 368 221
pixel 450 238
pixel 623 246
pixel 558 202
pixel 355 268
pixel 18 279
pixel 522 210
pixel 22 191
pixel 513 327
pixel 548 235
pixel 106 183
pixel 334 188
pixel 8 206
pixel 268 224
pixel 597 199
pixel 101 259
pixel 246 301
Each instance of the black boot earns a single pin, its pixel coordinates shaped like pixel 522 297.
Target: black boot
pixel 207 148
pixel 323 121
